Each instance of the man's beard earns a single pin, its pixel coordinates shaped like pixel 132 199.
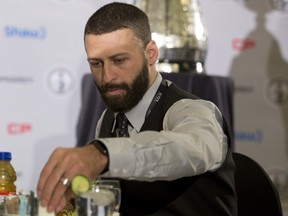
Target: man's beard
pixel 133 95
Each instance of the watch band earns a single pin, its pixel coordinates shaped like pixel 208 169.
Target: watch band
pixel 103 150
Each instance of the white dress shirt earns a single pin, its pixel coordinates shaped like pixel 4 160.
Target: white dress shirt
pixel 192 141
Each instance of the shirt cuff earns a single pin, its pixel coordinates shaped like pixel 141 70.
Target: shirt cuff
pixel 122 161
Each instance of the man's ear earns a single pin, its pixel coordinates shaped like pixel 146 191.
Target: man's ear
pixel 151 52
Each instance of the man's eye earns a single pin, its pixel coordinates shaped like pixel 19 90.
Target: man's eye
pixel 119 61
pixel 96 64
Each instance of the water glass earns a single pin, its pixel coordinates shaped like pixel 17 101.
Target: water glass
pixel 95 203
pixel 112 185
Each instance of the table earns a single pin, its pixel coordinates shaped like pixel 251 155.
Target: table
pixel 217 89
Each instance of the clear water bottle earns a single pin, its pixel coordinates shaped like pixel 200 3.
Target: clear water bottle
pixel 7 175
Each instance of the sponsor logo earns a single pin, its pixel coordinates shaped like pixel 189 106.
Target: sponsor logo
pixel 276 91
pixel 60 80
pixel 249 136
pixel 16 79
pixel 12 31
pixel 18 128
pixel 243 44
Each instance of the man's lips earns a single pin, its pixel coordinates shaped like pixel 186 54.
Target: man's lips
pixel 114 91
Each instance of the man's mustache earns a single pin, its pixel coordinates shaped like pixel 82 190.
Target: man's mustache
pixel 108 86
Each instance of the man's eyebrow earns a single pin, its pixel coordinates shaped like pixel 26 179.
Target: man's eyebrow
pixel 110 57
pixel 93 59
pixel 119 55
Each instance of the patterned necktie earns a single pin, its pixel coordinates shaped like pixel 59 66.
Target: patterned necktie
pixel 122 125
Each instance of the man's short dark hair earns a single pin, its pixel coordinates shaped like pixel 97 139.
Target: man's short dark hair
pixel 116 16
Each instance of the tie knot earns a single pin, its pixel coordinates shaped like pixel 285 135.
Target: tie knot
pixel 121 117
pixel 122 125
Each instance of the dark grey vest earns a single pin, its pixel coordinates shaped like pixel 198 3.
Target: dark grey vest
pixel 209 194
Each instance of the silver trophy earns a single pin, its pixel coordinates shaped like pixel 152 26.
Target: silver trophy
pixel 177 27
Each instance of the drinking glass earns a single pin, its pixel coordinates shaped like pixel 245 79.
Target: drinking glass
pixel 112 185
pixel 95 203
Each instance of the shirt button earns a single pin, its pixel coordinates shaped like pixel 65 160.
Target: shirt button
pixel 115 170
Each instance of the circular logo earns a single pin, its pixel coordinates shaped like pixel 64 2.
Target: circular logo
pixel 277 91
pixel 60 80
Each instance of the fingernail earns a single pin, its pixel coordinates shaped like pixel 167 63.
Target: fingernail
pixel 59 208
pixel 44 202
pixel 50 208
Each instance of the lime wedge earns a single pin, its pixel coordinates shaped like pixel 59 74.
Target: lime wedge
pixel 80 184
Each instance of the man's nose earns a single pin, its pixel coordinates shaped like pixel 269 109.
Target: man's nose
pixel 108 73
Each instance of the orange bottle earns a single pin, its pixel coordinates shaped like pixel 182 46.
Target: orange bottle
pixel 7 175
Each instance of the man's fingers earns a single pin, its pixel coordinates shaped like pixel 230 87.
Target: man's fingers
pixel 50 176
pixel 64 163
pixel 58 198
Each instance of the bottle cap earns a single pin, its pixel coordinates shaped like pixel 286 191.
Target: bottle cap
pixel 5 156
